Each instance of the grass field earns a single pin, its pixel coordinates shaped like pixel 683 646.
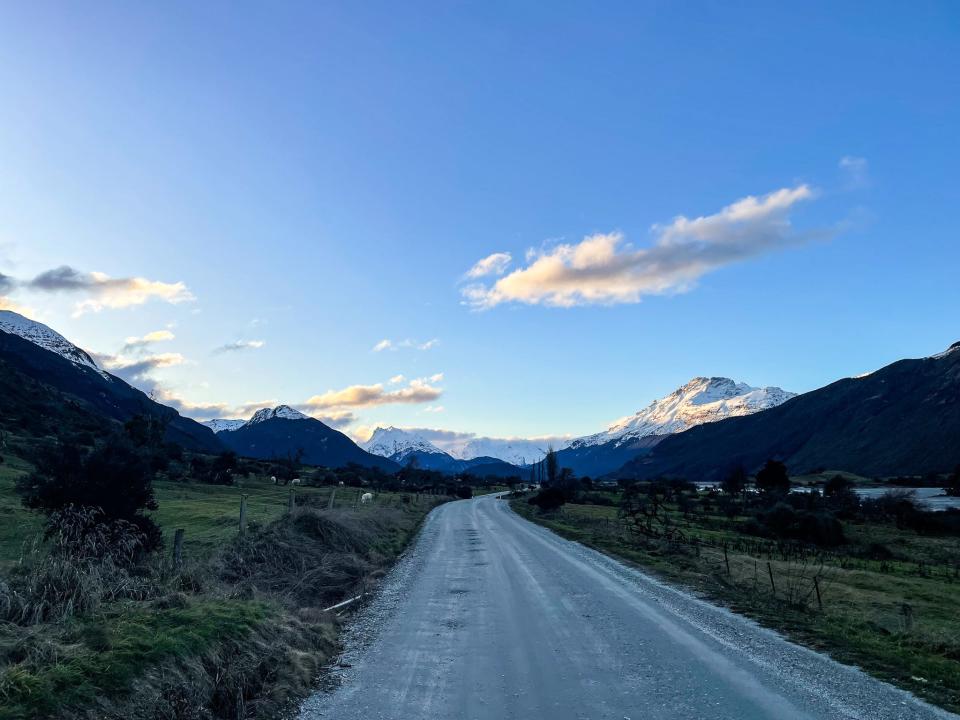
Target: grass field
pixel 238 631
pixel 897 618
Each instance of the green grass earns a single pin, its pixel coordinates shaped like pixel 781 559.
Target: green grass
pixel 863 620
pixel 17 525
pixel 103 656
pixel 54 669
pixel 209 514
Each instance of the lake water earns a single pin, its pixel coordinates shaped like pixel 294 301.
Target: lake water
pixel 931 498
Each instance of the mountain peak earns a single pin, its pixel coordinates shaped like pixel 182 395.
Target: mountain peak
pixel 700 400
pixel 283 412
pixel 397 443
pixel 46 338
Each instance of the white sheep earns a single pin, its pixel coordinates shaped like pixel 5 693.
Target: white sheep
pixel 273 480
pixel 366 497
pixel 295 481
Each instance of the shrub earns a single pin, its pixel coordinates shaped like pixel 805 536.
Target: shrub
pixel 773 479
pixel 115 479
pixel 550 498
pixel 464 491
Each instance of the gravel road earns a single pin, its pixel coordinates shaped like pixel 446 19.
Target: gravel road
pixel 491 617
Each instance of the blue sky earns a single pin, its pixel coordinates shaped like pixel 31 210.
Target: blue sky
pixel 295 184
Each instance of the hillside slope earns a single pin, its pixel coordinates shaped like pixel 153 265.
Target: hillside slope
pixel 901 419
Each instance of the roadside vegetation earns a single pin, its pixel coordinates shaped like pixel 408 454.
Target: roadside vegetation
pixel 873 582
pixel 104 613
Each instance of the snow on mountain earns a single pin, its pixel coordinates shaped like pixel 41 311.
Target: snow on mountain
pixel 952 349
pixel 516 451
pixel 284 412
pixel 701 400
pixel 219 425
pixel 39 334
pixel 397 444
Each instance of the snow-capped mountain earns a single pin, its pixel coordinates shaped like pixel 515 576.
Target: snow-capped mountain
pixel 39 334
pixel 516 451
pixel 284 412
pixel 220 425
pixel 701 400
pixel 397 444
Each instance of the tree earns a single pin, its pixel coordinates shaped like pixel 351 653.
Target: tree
pixel 735 481
pixel 552 466
pixel 953 484
pixel 115 479
pixel 773 479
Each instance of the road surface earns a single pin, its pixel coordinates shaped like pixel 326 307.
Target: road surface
pixel 490 617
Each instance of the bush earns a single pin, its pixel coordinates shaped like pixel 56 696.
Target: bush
pixel 773 479
pixel 464 491
pixel 550 498
pixel 115 479
pixel 783 522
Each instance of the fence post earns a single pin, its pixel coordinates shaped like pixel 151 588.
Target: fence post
pixel 243 514
pixel 772 586
pixel 333 499
pixel 816 586
pixel 291 502
pixel 726 559
pixel 178 548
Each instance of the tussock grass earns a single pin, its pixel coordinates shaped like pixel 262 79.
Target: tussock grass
pixel 237 631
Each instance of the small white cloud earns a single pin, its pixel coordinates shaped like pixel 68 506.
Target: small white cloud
pixel 239 345
pixel 434 409
pixel 132 343
pixel 397 379
pixel 387 344
pixel 495 264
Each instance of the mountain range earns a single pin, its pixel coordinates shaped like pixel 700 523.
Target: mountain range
pixel 405 446
pixel 282 431
pixel 903 419
pixel 702 400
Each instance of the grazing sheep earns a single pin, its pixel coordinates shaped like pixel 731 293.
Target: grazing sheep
pixel 366 497
pixel 273 480
pixel 340 483
pixel 295 481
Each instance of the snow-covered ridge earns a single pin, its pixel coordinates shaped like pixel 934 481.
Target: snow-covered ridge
pixel 284 412
pixel 220 425
pixel 397 444
pixel 701 400
pixel 952 349
pixel 42 336
pixel 516 451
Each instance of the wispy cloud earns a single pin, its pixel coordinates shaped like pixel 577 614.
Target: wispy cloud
pixel 387 344
pixel 239 345
pixel 856 171
pixel 138 369
pixel 7 284
pixel 495 264
pixel 602 269
pixel 419 390
pixel 103 291
pixel 134 343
